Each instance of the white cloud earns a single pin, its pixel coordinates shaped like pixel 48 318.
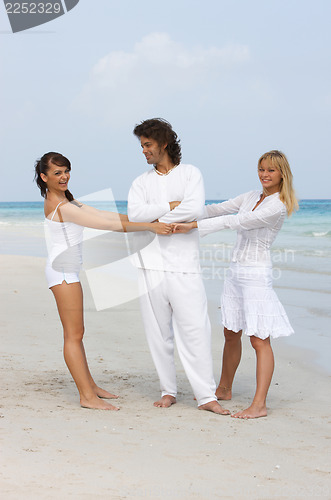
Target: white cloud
pixel 157 72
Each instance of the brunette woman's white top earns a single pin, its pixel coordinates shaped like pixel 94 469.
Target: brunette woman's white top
pixel 256 230
pixel 64 244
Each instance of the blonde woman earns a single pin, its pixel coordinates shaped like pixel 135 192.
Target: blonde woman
pixel 65 219
pixel 249 303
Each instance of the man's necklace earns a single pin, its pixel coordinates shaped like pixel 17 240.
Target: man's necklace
pixel 165 173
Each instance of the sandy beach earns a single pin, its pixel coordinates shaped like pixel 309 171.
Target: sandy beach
pixel 52 448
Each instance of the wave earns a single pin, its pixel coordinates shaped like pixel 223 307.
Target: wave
pixel 291 253
pixel 321 234
pixel 217 245
pixel 22 224
pixel 298 232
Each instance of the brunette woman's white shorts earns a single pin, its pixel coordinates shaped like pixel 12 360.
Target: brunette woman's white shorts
pixel 249 303
pixel 57 277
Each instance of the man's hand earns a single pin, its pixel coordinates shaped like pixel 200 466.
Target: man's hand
pixel 174 204
pixel 160 228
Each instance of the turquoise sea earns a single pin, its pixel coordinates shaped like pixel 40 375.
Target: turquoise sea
pixel 301 264
pixel 307 233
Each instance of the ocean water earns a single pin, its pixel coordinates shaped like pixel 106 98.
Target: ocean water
pixel 301 258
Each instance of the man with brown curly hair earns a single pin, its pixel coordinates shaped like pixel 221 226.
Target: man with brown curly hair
pixel 173 299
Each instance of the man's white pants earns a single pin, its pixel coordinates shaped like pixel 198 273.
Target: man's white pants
pixel 174 305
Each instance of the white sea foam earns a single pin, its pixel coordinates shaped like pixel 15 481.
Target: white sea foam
pixel 321 234
pixel 22 224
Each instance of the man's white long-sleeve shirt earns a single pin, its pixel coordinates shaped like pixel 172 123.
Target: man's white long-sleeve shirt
pixel 256 230
pixel 149 199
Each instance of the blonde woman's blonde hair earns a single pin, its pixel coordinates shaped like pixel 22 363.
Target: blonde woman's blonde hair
pixel 286 191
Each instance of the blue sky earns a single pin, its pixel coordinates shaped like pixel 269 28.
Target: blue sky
pixel 235 79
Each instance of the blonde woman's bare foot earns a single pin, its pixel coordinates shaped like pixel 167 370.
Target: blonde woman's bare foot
pixel 214 407
pixel 104 394
pixel 254 411
pixel 97 404
pixel 223 393
pixel 165 402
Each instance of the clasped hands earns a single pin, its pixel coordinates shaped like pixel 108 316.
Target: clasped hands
pixel 180 227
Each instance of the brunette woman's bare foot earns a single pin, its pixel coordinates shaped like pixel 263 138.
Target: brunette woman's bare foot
pixel 104 394
pixel 214 407
pixel 223 393
pixel 97 404
pixel 254 411
pixel 165 402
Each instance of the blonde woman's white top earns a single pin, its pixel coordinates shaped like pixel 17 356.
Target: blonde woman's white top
pixel 256 230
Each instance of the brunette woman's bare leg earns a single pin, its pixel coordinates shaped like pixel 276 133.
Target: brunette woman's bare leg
pixel 69 299
pixel 102 393
pixel 231 360
pixel 264 370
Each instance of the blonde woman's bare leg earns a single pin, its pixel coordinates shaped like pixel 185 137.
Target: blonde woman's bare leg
pixel 264 370
pixel 231 360
pixel 69 299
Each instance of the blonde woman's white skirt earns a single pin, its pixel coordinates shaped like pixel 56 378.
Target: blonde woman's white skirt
pixel 250 304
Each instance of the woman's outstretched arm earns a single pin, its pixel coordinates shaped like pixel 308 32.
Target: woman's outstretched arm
pixel 264 217
pixel 71 212
pixel 105 213
pixel 269 216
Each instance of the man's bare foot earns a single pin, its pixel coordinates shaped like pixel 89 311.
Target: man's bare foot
pixel 254 411
pixel 97 404
pixel 224 393
pixel 165 402
pixel 104 394
pixel 215 407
